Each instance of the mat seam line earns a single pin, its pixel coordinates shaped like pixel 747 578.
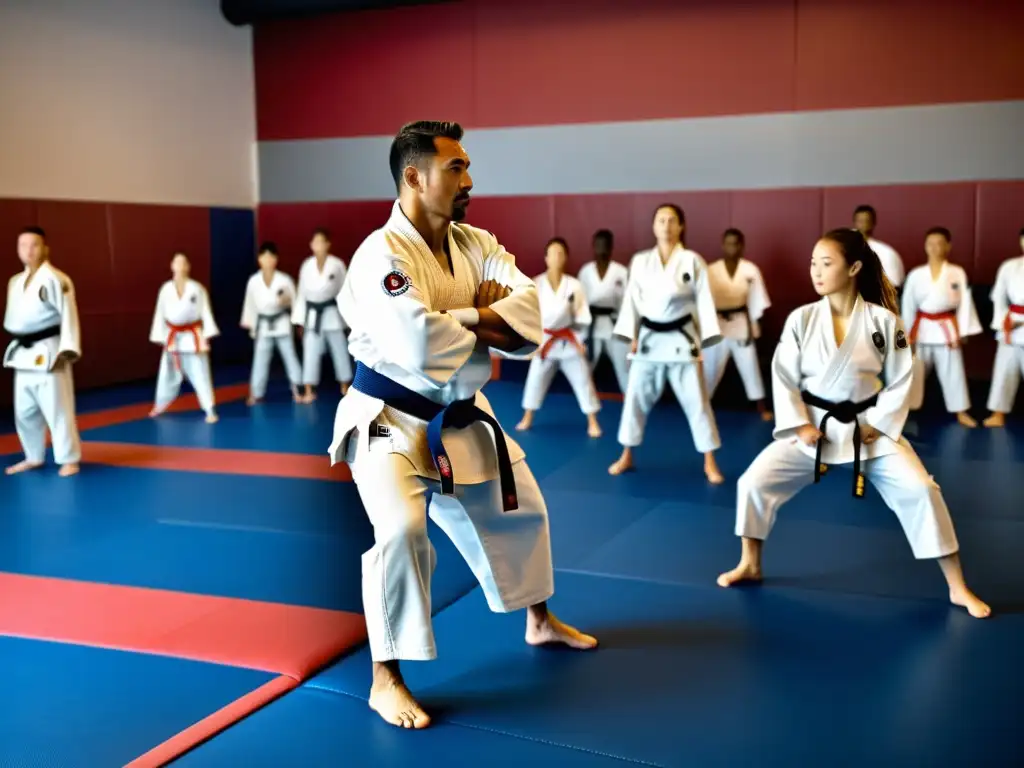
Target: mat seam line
pixel 521 737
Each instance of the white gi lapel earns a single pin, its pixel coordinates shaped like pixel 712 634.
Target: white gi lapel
pixel 842 355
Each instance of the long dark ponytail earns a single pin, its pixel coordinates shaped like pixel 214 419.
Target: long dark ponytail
pixel 872 282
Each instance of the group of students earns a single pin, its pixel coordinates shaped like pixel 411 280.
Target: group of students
pixel 429 299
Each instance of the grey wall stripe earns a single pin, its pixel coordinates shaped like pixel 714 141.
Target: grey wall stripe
pixel 943 143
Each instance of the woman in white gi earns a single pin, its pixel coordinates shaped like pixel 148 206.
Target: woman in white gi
pixel 939 311
pixel 741 300
pixel 266 315
pixel 42 318
pixel 183 325
pixel 604 284
pixel 316 313
pixel 564 313
pixel 848 347
pixel 668 316
pixel 1008 323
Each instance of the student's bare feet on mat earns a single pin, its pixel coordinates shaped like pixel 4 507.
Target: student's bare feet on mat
pixel 995 420
pixel 624 464
pixel 542 628
pixel 390 698
pixel 251 401
pixel 154 413
pixel 526 422
pixel 212 418
pixel 22 466
pixel 711 470
pixel 963 597
pixel 966 420
pixel 741 573
pixel 593 428
pixel 68 470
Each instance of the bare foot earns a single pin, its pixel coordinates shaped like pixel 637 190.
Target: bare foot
pixel 712 472
pixel 251 401
pixel 967 599
pixel 524 425
pixel 965 420
pixel 296 397
pixel 23 466
pixel 767 415
pixel 550 631
pixel 742 572
pixel 309 398
pixel 68 470
pixel 154 413
pixel 624 464
pixel 593 428
pixel 212 418
pixel 390 699
pixel 995 420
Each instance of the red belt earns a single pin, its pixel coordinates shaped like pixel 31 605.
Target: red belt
pixel 1015 309
pixel 559 334
pixel 192 328
pixel 952 336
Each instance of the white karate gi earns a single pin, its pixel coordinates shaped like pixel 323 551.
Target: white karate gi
pixel 874 358
pixel 44 389
pixel 316 309
pixel 741 301
pixel 265 313
pixel 605 294
pixel 892 264
pixel 564 313
pixel 407 314
pixel 664 294
pixel 939 313
pixel 183 326
pixel 1007 311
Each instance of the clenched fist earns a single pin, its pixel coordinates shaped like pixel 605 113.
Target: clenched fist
pixel 489 293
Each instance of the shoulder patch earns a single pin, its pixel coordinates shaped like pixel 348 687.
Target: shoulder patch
pixel 395 283
pixel 42 293
pixel 686 277
pixel 901 339
pixel 878 339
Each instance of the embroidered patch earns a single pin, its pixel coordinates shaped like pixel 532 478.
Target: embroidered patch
pixel 395 283
pixel 42 293
pixel 332 276
pixel 878 339
pixel 572 297
pixel 194 299
pixel 686 277
pixel 280 291
pixel 443 466
pixel 901 340
pixel 955 286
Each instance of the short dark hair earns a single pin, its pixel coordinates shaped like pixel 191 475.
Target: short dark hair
pixel 416 141
pixel 606 235
pixel 323 232
pixel 268 246
pixel 733 232
pixel 33 231
pixel 939 231
pixel 558 241
pixel 866 209
pixel 674 208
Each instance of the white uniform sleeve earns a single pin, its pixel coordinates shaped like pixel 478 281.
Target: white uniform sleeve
pixel 908 300
pixel 249 313
pixel 889 414
pixel 210 328
pixel 9 308
pixel 342 276
pixel 580 308
pixel 966 313
pixel 757 296
pixel 158 329
pixel 521 308
pixel 707 314
pixel 299 304
pixel 790 410
pixel 627 324
pixel 1000 296
pixel 70 341
pixel 381 299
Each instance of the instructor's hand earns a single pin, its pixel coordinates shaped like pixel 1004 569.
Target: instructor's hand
pixel 809 434
pixel 489 293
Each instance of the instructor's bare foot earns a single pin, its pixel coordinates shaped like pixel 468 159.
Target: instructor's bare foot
pixel 742 572
pixel 547 630
pixel 967 599
pixel 995 420
pixel 68 470
pixel 966 420
pixel 390 699
pixel 22 466
pixel 593 428
pixel 624 464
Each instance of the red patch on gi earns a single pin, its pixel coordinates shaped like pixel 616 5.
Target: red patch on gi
pixel 395 283
pixel 443 466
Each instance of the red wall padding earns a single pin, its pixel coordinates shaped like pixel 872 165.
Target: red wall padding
pixel 538 62
pixel 781 227
pixel 117 255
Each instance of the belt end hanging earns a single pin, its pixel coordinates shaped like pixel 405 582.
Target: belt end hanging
pixel 858 485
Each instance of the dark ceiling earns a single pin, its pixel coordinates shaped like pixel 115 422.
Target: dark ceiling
pixel 242 12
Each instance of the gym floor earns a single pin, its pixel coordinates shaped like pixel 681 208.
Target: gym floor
pixel 199 584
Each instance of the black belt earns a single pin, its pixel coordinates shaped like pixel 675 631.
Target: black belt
pixel 27 340
pixel 269 319
pixel 727 314
pixel 596 312
pixel 845 412
pixel 457 415
pixel 318 307
pixel 671 325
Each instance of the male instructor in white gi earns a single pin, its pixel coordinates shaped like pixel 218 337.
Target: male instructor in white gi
pixel 427 298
